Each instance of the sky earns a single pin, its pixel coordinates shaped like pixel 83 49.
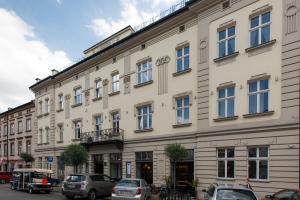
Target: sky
pixel 37 36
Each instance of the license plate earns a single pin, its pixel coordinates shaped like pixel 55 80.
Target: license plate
pixel 72 186
pixel 124 193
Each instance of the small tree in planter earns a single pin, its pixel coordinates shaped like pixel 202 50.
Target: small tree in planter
pixel 75 155
pixel 27 158
pixel 175 152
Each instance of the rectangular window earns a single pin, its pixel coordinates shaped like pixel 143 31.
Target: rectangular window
pixel 28 124
pixel 183 58
pixel 226 42
pixel 12 149
pixel 115 121
pixel 60 133
pixel 40 141
pixel 41 107
pixel 28 146
pixel 78 96
pixel 19 147
pixel 260 29
pixel 47 135
pixel 77 129
pixel 20 126
pixel 5 130
pixel 182 110
pixel 226 163
pixel 98 89
pixel 47 106
pixel 144 72
pixel 145 117
pixel 12 128
pixel 258 163
pixel 115 82
pixel 98 125
pixel 0 150
pixel 5 149
pixel 226 102
pixel 258 92
pixel 60 102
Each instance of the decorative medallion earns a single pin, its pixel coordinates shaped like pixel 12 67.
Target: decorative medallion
pixel 162 60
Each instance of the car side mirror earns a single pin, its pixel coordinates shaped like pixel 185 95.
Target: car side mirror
pixel 204 190
pixel 268 196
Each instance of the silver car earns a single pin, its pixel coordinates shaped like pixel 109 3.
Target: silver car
pixel 131 189
pixel 223 192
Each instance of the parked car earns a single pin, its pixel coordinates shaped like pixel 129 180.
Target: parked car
pixel 223 192
pixel 53 181
pixel 87 186
pixel 128 189
pixel 287 194
pixel 6 176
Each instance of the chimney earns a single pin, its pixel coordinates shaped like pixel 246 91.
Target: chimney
pixel 37 79
pixel 9 108
pixel 54 72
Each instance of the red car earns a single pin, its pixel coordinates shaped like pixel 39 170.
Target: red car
pixel 6 176
pixel 287 194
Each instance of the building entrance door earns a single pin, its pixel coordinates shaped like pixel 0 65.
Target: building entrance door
pixel 98 164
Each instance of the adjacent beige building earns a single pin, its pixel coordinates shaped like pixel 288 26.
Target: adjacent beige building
pixel 219 77
pixel 16 129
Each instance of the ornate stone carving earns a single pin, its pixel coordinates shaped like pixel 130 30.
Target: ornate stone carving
pixel 162 60
pixel 203 50
pixel 87 93
pixel 291 16
pixel 105 82
pixel 126 79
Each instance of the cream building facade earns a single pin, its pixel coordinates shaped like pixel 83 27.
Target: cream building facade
pixel 219 77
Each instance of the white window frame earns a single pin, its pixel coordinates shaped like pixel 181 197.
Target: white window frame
pixel 40 139
pixel 78 96
pixel 257 159
pixel 20 147
pixel 78 126
pixel 115 118
pixel 115 84
pixel 258 93
pixel 12 129
pixel 28 146
pixel 60 132
pixel 226 159
pixel 226 98
pixel 182 108
pixel 226 39
pixel 98 89
pixel 20 126
pixel 183 57
pixel 47 135
pixel 12 149
pixel 259 27
pixel 40 107
pixel 47 105
pixel 98 124
pixel 141 71
pixel 60 101
pixel 141 117
pixel 28 124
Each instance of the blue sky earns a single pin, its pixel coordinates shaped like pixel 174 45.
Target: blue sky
pixel 39 35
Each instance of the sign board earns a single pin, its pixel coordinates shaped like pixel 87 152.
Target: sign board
pixel 50 159
pixel 128 169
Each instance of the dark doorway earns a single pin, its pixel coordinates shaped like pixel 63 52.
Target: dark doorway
pixel 116 165
pixel 98 164
pixel 144 166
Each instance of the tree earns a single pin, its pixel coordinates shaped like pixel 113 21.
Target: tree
pixel 27 158
pixel 175 152
pixel 75 155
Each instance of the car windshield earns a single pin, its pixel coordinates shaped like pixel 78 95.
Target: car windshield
pixel 75 178
pixel 129 183
pixel 235 194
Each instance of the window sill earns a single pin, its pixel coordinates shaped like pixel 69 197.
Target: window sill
pixel 143 84
pixel 235 54
pixel 39 144
pixel 182 125
pixel 182 72
pixel 59 142
pixel 259 180
pixel 144 130
pixel 114 93
pixel 225 179
pixel 250 49
pixel 76 105
pixel 40 116
pixel 27 131
pixel 76 140
pixel 46 114
pixel 258 114
pixel 60 110
pixel 226 119
pixel 97 99
pixel 46 143
pixel 20 132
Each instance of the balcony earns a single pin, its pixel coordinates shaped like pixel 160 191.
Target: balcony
pixel 105 136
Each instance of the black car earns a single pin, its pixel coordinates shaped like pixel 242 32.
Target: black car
pixel 54 181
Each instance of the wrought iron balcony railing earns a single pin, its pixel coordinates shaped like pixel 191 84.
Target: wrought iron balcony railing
pixel 104 135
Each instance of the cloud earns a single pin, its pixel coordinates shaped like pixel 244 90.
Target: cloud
pixel 58 1
pixel 23 57
pixel 133 12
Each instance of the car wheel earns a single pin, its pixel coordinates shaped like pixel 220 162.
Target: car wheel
pixel 92 195
pixel 69 197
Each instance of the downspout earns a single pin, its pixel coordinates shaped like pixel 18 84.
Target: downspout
pixel 7 156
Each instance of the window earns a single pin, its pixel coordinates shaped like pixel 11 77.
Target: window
pixel 28 146
pixel 5 149
pixel 98 89
pixel 47 106
pixel 115 121
pixel 115 82
pixel 12 128
pixel 144 72
pixel 258 163
pixel 183 59
pixel 98 125
pixel 28 124
pixel 226 42
pixel 258 96
pixel 182 110
pixel 12 149
pixel 60 133
pixel 20 126
pixel 226 102
pixel 47 135
pixel 5 130
pixel 226 163
pixel 77 129
pixel 19 147
pixel 0 151
pixel 145 117
pixel 40 139
pixel 60 102
pixel 260 29
pixel 41 107
pixel 78 96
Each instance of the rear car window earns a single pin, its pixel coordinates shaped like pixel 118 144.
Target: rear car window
pixel 75 178
pixel 235 194
pixel 129 183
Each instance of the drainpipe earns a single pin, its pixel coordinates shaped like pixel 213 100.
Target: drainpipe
pixel 7 156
